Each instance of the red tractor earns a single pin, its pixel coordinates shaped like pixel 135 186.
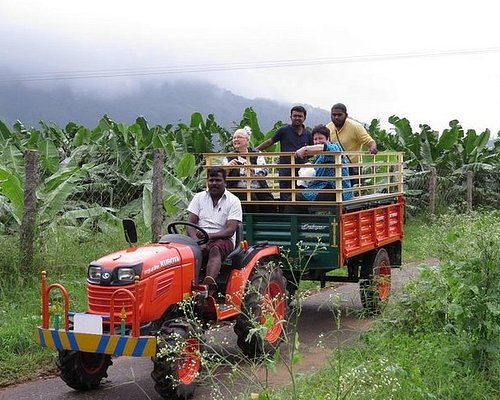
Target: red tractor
pixel 135 308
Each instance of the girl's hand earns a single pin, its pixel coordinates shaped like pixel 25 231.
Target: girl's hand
pixel 301 152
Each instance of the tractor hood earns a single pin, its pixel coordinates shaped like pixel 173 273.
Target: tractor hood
pixel 121 267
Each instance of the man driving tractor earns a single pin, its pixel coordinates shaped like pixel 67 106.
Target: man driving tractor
pixel 218 212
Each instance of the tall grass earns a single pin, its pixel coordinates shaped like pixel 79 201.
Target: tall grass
pixel 441 338
pixel 65 258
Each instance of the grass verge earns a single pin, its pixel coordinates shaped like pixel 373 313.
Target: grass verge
pixel 65 258
pixel 441 338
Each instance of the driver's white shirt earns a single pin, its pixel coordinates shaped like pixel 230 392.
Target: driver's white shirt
pixel 213 218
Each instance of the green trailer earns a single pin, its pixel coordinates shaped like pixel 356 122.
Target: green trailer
pixel 362 235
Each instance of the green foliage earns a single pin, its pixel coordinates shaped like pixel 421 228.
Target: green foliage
pixel 461 295
pixel 186 166
pixel 108 168
pixel 440 338
pixel 474 284
pixel 11 189
pixel 250 119
pixel 447 152
pixel 65 255
pixel 90 176
pixel 12 158
pixel 452 153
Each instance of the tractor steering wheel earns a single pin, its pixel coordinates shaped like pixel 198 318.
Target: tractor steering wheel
pixel 172 228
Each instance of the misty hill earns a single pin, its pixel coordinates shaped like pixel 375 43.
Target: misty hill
pixel 160 104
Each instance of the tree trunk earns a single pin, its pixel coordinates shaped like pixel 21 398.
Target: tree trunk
pixel 157 206
pixel 469 190
pixel 432 191
pixel 29 214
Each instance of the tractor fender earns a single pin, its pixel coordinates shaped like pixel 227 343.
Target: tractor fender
pixel 239 277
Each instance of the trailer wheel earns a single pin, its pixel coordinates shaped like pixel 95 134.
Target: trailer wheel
pixel 81 370
pixel 265 305
pixel 178 361
pixel 375 282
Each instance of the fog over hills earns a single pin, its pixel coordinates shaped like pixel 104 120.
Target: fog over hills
pixel 160 103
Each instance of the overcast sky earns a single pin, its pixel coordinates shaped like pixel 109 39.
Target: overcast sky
pixel 428 61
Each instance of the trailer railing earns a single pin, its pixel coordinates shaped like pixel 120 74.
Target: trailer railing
pixel 372 177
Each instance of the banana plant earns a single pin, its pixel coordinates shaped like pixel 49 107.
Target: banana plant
pixel 55 191
pixel 13 159
pixel 385 140
pixel 446 151
pixel 11 196
pixel 250 119
pixel 198 137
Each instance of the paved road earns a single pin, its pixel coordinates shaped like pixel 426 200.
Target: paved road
pixel 129 377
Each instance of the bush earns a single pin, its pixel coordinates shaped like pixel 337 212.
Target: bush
pixel 461 295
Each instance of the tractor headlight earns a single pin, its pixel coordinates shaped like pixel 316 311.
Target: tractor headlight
pixel 126 274
pixel 95 273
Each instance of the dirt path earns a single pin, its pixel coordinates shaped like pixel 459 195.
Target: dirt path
pixel 318 335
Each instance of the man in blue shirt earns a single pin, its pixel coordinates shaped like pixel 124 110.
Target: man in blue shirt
pixel 291 138
pixel 321 137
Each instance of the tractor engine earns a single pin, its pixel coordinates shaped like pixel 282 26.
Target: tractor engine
pixel 165 274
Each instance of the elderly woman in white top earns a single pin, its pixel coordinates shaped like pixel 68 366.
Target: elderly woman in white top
pixel 241 143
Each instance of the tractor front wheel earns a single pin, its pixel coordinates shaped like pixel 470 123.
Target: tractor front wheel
pixel 375 282
pixel 261 325
pixel 178 360
pixel 81 370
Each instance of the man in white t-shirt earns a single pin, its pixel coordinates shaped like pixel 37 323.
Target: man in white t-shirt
pixel 218 212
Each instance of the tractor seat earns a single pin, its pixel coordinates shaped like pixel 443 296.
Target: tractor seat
pixel 235 257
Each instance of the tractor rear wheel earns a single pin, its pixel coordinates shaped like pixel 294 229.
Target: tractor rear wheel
pixel 266 306
pixel 81 370
pixel 375 282
pixel 178 360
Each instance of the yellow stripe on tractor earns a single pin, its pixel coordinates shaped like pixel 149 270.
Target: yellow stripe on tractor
pixel 140 346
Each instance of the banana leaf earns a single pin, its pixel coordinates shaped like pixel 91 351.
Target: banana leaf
pixel 10 187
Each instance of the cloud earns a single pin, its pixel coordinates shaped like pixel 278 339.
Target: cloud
pixel 63 37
